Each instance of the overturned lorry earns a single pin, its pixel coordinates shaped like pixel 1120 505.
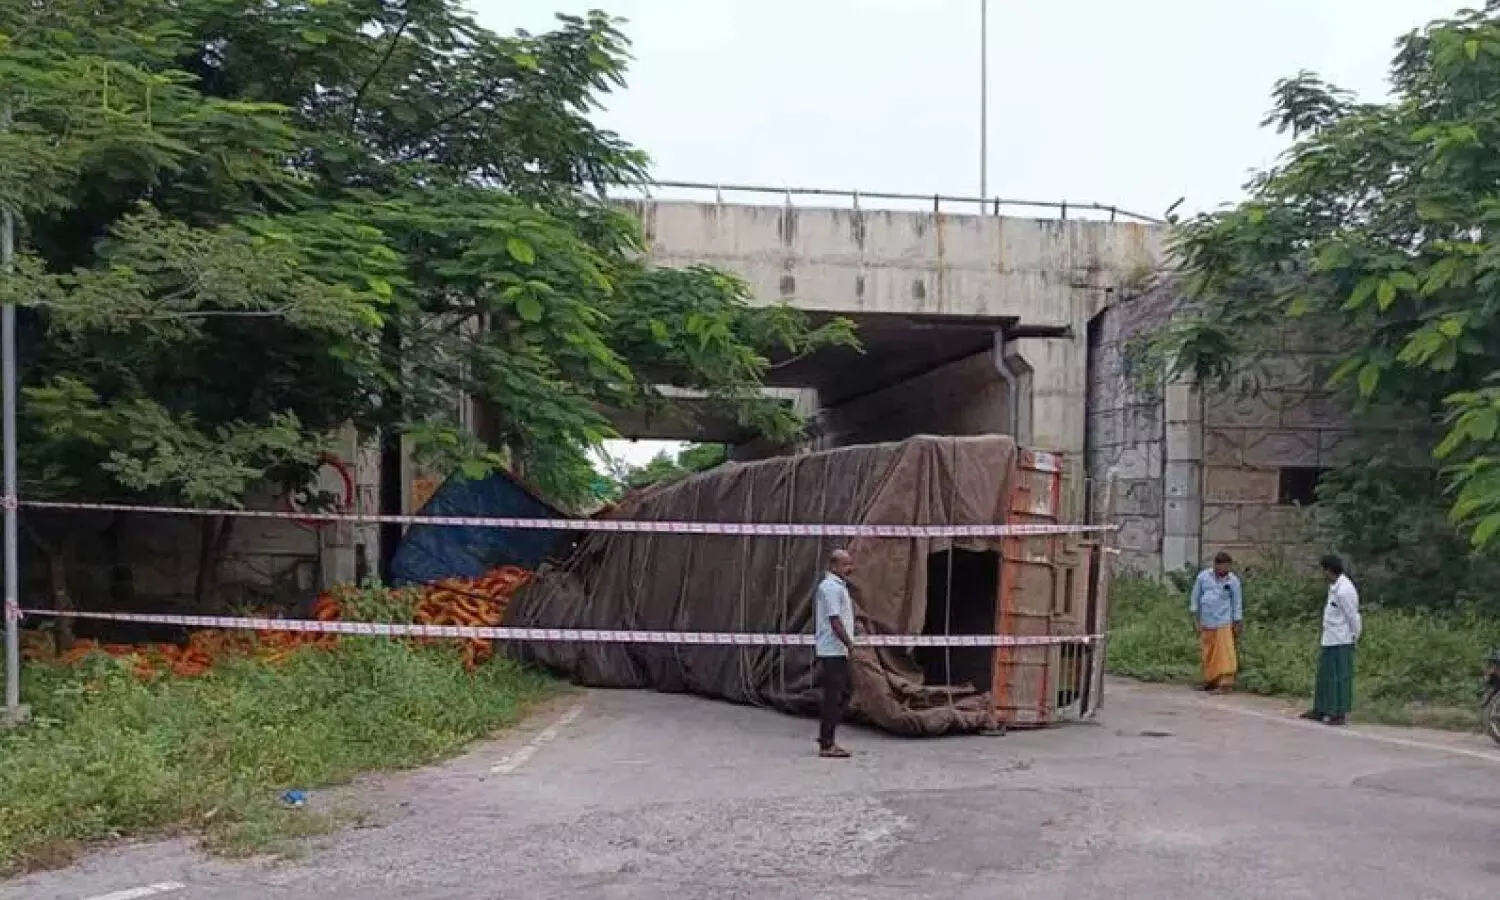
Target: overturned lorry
pixel 1052 586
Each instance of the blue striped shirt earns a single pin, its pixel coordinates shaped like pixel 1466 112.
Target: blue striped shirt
pixel 1217 602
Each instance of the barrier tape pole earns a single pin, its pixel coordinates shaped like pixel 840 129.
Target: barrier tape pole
pixel 579 635
pixel 778 529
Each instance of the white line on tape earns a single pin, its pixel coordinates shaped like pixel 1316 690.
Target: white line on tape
pixel 781 529
pixel 150 890
pixel 546 736
pixel 573 635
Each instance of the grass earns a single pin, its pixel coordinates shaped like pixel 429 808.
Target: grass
pixel 1412 668
pixel 108 756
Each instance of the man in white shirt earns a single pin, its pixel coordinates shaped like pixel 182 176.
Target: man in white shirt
pixel 833 630
pixel 1333 694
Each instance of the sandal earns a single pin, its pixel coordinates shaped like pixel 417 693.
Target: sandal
pixel 834 753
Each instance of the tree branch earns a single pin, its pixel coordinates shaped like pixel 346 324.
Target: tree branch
pixel 390 50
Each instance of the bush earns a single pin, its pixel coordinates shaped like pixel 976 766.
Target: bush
pixel 108 755
pixel 1412 666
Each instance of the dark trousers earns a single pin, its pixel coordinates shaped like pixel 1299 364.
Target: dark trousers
pixel 833 672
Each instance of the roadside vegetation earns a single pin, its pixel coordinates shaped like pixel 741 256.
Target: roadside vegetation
pixel 110 756
pixel 1415 666
pixel 316 215
pixel 414 207
pixel 1371 238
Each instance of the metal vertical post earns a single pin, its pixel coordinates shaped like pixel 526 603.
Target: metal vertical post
pixel 12 608
pixel 1103 581
pixel 984 101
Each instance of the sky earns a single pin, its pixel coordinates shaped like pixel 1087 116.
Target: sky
pixel 1134 103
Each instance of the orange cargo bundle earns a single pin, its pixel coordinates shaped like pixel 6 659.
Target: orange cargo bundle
pixel 477 602
pixel 455 601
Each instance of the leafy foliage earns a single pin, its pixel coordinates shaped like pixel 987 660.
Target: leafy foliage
pixel 666 468
pixel 1376 229
pixel 1393 521
pixel 1416 667
pixel 108 755
pixel 246 223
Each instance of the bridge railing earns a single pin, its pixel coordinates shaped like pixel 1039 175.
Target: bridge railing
pixel 762 194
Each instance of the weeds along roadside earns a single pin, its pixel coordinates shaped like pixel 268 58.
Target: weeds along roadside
pixel 109 755
pixel 1415 667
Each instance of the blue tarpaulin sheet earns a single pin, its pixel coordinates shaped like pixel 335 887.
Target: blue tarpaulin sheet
pixel 428 553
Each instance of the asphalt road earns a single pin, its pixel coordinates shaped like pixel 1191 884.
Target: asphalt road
pixel 641 795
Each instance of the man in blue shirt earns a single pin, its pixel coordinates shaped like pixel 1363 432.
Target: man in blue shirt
pixel 1218 607
pixel 833 630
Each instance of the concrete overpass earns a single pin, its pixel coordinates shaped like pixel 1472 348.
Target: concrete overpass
pixel 973 320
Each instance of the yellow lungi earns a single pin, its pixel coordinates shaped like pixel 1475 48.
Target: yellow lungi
pixel 1220 662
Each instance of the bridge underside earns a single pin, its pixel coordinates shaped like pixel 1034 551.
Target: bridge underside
pixel 970 323
pixel 913 374
pixel 894 348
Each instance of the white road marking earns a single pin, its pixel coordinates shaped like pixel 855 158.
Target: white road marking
pixel 544 737
pixel 1355 733
pixel 150 890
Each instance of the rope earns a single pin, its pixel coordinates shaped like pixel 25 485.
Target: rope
pixel 823 553
pixel 948 600
pixel 747 679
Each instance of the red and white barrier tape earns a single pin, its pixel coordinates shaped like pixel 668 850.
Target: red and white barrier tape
pixel 581 635
pixel 792 529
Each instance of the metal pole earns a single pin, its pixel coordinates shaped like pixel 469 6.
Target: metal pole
pixel 12 608
pixel 984 101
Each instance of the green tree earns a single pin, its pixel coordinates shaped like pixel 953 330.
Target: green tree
pixel 1376 228
pixel 664 467
pixel 154 289
pixel 247 223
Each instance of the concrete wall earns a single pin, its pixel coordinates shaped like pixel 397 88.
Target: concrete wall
pixel 1053 394
pixel 1126 429
pixel 1217 467
pixel 1265 438
pixel 276 563
pixel 150 562
pixel 1037 271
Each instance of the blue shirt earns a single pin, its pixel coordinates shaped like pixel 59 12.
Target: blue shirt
pixel 1216 603
pixel 832 600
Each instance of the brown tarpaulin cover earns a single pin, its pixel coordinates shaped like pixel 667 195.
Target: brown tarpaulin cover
pixel 668 582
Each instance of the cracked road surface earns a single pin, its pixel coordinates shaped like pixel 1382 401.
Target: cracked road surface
pixel 643 795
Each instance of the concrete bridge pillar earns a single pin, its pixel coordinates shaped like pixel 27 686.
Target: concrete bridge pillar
pixel 1182 476
pixel 1051 392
